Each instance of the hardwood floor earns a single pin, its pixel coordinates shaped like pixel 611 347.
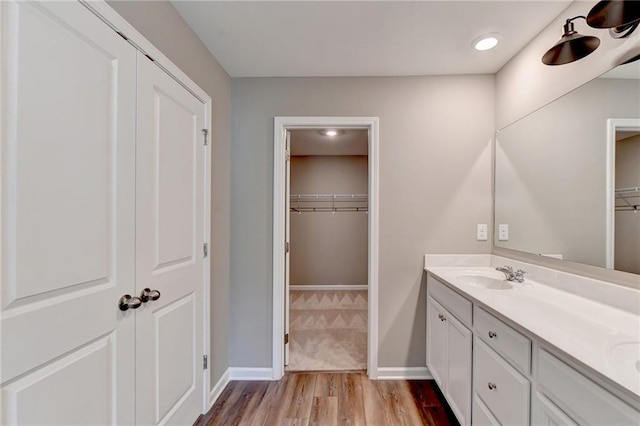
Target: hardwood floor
pixel 324 398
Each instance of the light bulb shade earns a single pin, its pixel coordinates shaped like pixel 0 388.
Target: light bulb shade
pixel 571 47
pixel 614 13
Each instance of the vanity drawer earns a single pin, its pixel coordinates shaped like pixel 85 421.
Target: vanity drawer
pixel 513 346
pixel 580 398
pixel 500 387
pixel 460 307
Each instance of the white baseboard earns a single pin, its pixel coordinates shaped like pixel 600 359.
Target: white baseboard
pixel 404 373
pixel 219 387
pixel 241 373
pixel 244 374
pixel 334 287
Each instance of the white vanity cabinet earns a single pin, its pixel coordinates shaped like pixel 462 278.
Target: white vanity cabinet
pixel 494 371
pixel 566 396
pixel 449 344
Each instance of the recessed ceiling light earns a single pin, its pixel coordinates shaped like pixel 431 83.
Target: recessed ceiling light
pixel 486 42
pixel 331 132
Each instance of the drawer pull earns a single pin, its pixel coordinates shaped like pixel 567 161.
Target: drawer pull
pixel 492 386
pixel 492 334
pixel 442 318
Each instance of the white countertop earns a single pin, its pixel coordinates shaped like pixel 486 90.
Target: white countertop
pixel 602 337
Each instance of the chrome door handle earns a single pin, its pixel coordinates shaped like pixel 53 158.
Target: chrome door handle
pixel 127 302
pixel 442 317
pixel 492 334
pixel 148 294
pixel 491 386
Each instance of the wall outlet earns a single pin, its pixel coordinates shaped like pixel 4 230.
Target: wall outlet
pixel 481 233
pixel 503 232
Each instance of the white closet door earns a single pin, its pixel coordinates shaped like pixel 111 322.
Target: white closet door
pixel 68 170
pixel 169 243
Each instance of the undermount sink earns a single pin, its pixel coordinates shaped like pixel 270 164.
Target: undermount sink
pixel 627 356
pixel 482 281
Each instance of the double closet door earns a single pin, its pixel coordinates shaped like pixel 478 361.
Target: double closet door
pixel 103 183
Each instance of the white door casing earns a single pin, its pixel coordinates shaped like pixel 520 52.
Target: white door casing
pixel 281 126
pixel 613 125
pixel 68 221
pixel 287 239
pixel 169 240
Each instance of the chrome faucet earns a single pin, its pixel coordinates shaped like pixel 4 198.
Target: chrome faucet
pixel 510 275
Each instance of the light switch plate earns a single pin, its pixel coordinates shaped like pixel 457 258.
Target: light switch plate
pixel 503 232
pixel 481 234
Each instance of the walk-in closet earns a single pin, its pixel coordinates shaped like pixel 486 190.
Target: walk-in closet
pixel 627 199
pixel 328 216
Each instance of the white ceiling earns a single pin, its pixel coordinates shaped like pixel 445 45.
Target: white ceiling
pixel 364 38
pixel 313 142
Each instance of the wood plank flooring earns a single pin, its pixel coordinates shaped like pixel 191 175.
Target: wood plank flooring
pixel 324 398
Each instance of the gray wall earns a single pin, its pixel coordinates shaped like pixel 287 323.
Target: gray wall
pixel 329 247
pixel 163 26
pixel 435 186
pixel 627 223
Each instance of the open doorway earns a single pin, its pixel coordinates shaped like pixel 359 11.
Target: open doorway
pixel 623 242
pixel 627 206
pixel 328 217
pixel 333 192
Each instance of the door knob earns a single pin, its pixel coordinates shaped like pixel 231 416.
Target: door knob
pixel 128 302
pixel 148 294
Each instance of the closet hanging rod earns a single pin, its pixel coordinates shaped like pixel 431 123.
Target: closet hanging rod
pixel 327 209
pixel 329 197
pixel 633 191
pixel 629 208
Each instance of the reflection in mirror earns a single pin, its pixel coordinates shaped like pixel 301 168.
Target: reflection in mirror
pixel 567 176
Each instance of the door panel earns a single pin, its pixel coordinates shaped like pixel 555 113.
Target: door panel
pixel 174 325
pixel 68 202
pixel 459 371
pixel 84 402
pixel 437 342
pixel 175 178
pixel 169 242
pixel 42 221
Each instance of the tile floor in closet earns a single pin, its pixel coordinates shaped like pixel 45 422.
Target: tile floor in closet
pixel 327 330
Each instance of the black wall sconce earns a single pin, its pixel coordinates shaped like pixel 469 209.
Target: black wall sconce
pixel 621 17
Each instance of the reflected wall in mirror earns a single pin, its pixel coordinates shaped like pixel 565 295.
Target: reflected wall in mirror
pixel 567 175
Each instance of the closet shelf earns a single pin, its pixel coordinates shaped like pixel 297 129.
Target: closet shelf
pixel 300 203
pixel 628 199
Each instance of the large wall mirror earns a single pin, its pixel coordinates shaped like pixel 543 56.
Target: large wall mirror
pixel 567 176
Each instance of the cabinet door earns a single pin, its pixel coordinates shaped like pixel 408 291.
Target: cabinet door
pixel 545 413
pixel 459 369
pixel 170 218
pixel 437 342
pixel 68 203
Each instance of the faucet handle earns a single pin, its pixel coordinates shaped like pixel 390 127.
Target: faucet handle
pixel 519 275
